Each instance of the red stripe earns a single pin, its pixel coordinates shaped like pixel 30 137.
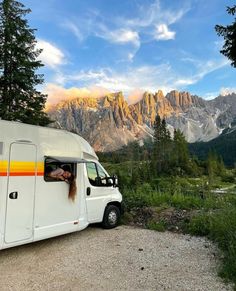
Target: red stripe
pixel 3 174
pixel 15 174
pixel 40 174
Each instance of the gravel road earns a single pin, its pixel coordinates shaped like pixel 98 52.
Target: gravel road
pixel 123 258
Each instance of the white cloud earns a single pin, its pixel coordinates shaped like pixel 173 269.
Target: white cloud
pixel 51 56
pixel 226 91
pixel 74 29
pixel 154 14
pixel 125 36
pixel 163 33
pixel 57 93
pixel 210 95
pixel 133 81
pixel 201 70
pixel 145 78
pixel 120 36
pixel 152 23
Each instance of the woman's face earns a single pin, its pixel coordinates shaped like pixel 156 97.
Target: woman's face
pixel 66 174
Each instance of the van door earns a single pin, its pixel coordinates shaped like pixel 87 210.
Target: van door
pixel 97 197
pixel 20 192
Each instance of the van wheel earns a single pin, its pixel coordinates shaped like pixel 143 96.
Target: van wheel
pixel 111 217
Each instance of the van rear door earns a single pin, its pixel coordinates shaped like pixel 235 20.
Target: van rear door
pixel 20 192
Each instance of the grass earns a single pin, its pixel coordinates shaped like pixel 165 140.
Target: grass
pixel 207 213
pixel 214 214
pixel 220 227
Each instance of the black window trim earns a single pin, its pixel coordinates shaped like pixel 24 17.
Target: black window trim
pixel 59 161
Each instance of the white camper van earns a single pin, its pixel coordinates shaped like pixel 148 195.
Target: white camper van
pixel 33 207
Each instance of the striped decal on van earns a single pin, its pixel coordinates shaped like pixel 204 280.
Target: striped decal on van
pixel 21 168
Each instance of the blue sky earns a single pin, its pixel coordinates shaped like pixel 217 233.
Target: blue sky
pixel 95 46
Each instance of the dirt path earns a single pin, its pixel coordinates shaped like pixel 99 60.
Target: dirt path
pixel 124 258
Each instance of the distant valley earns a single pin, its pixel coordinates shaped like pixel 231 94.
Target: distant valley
pixel 109 122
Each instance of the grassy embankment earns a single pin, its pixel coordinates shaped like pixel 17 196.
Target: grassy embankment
pixel 189 205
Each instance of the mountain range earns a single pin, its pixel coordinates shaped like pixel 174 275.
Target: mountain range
pixel 224 145
pixel 109 122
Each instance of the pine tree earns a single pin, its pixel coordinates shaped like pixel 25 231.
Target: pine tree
pixel 161 147
pixel 211 166
pixel 180 151
pixel 229 34
pixel 19 100
pixel 156 156
pixel 166 144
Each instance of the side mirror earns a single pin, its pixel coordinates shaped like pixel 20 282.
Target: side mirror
pixel 115 181
pixel 98 181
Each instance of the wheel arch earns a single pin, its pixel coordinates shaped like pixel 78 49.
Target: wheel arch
pixel 117 204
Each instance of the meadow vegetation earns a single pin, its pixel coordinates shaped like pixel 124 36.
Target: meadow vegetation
pixel 164 188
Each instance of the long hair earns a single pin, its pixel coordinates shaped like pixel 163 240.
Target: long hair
pixel 72 187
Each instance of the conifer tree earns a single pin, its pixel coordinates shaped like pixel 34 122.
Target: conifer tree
pixel 211 166
pixel 180 151
pixel 19 100
pixel 229 34
pixel 161 147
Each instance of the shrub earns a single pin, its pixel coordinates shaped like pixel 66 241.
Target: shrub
pixel 199 225
pixel 158 226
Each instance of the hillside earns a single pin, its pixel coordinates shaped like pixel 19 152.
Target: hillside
pixel 224 145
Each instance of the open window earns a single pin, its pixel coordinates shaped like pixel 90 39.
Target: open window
pixel 52 164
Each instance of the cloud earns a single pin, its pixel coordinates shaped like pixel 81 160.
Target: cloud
pixel 154 14
pixel 144 78
pixel 226 91
pixel 57 93
pixel 74 29
pixel 151 24
pixel 132 82
pixel 135 96
pixel 51 56
pixel 163 33
pixel 119 36
pixel 202 68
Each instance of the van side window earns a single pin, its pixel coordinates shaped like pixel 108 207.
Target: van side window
pixel 92 173
pixel 101 173
pixel 50 166
pixel 96 175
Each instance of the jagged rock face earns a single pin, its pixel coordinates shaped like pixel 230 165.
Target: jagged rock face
pixel 227 109
pixel 109 122
pixel 105 122
pixel 183 100
pixel 145 111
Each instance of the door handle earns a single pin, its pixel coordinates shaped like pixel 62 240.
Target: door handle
pixel 88 191
pixel 13 195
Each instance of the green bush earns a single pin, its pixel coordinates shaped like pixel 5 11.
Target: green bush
pixel 220 227
pixel 199 225
pixel 158 226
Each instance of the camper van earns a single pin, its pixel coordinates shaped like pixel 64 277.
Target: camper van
pixel 34 206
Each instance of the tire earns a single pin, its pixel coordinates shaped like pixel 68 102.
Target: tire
pixel 111 217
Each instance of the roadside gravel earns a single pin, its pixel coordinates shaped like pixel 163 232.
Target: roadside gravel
pixel 124 258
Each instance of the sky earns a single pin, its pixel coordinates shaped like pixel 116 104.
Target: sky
pixel 92 47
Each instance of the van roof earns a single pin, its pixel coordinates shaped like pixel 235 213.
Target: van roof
pixel 53 142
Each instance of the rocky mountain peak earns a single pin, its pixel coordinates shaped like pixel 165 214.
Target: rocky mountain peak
pixel 109 122
pixel 159 95
pixel 184 100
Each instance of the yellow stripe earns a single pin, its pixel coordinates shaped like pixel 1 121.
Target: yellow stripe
pixel 3 166
pixel 22 166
